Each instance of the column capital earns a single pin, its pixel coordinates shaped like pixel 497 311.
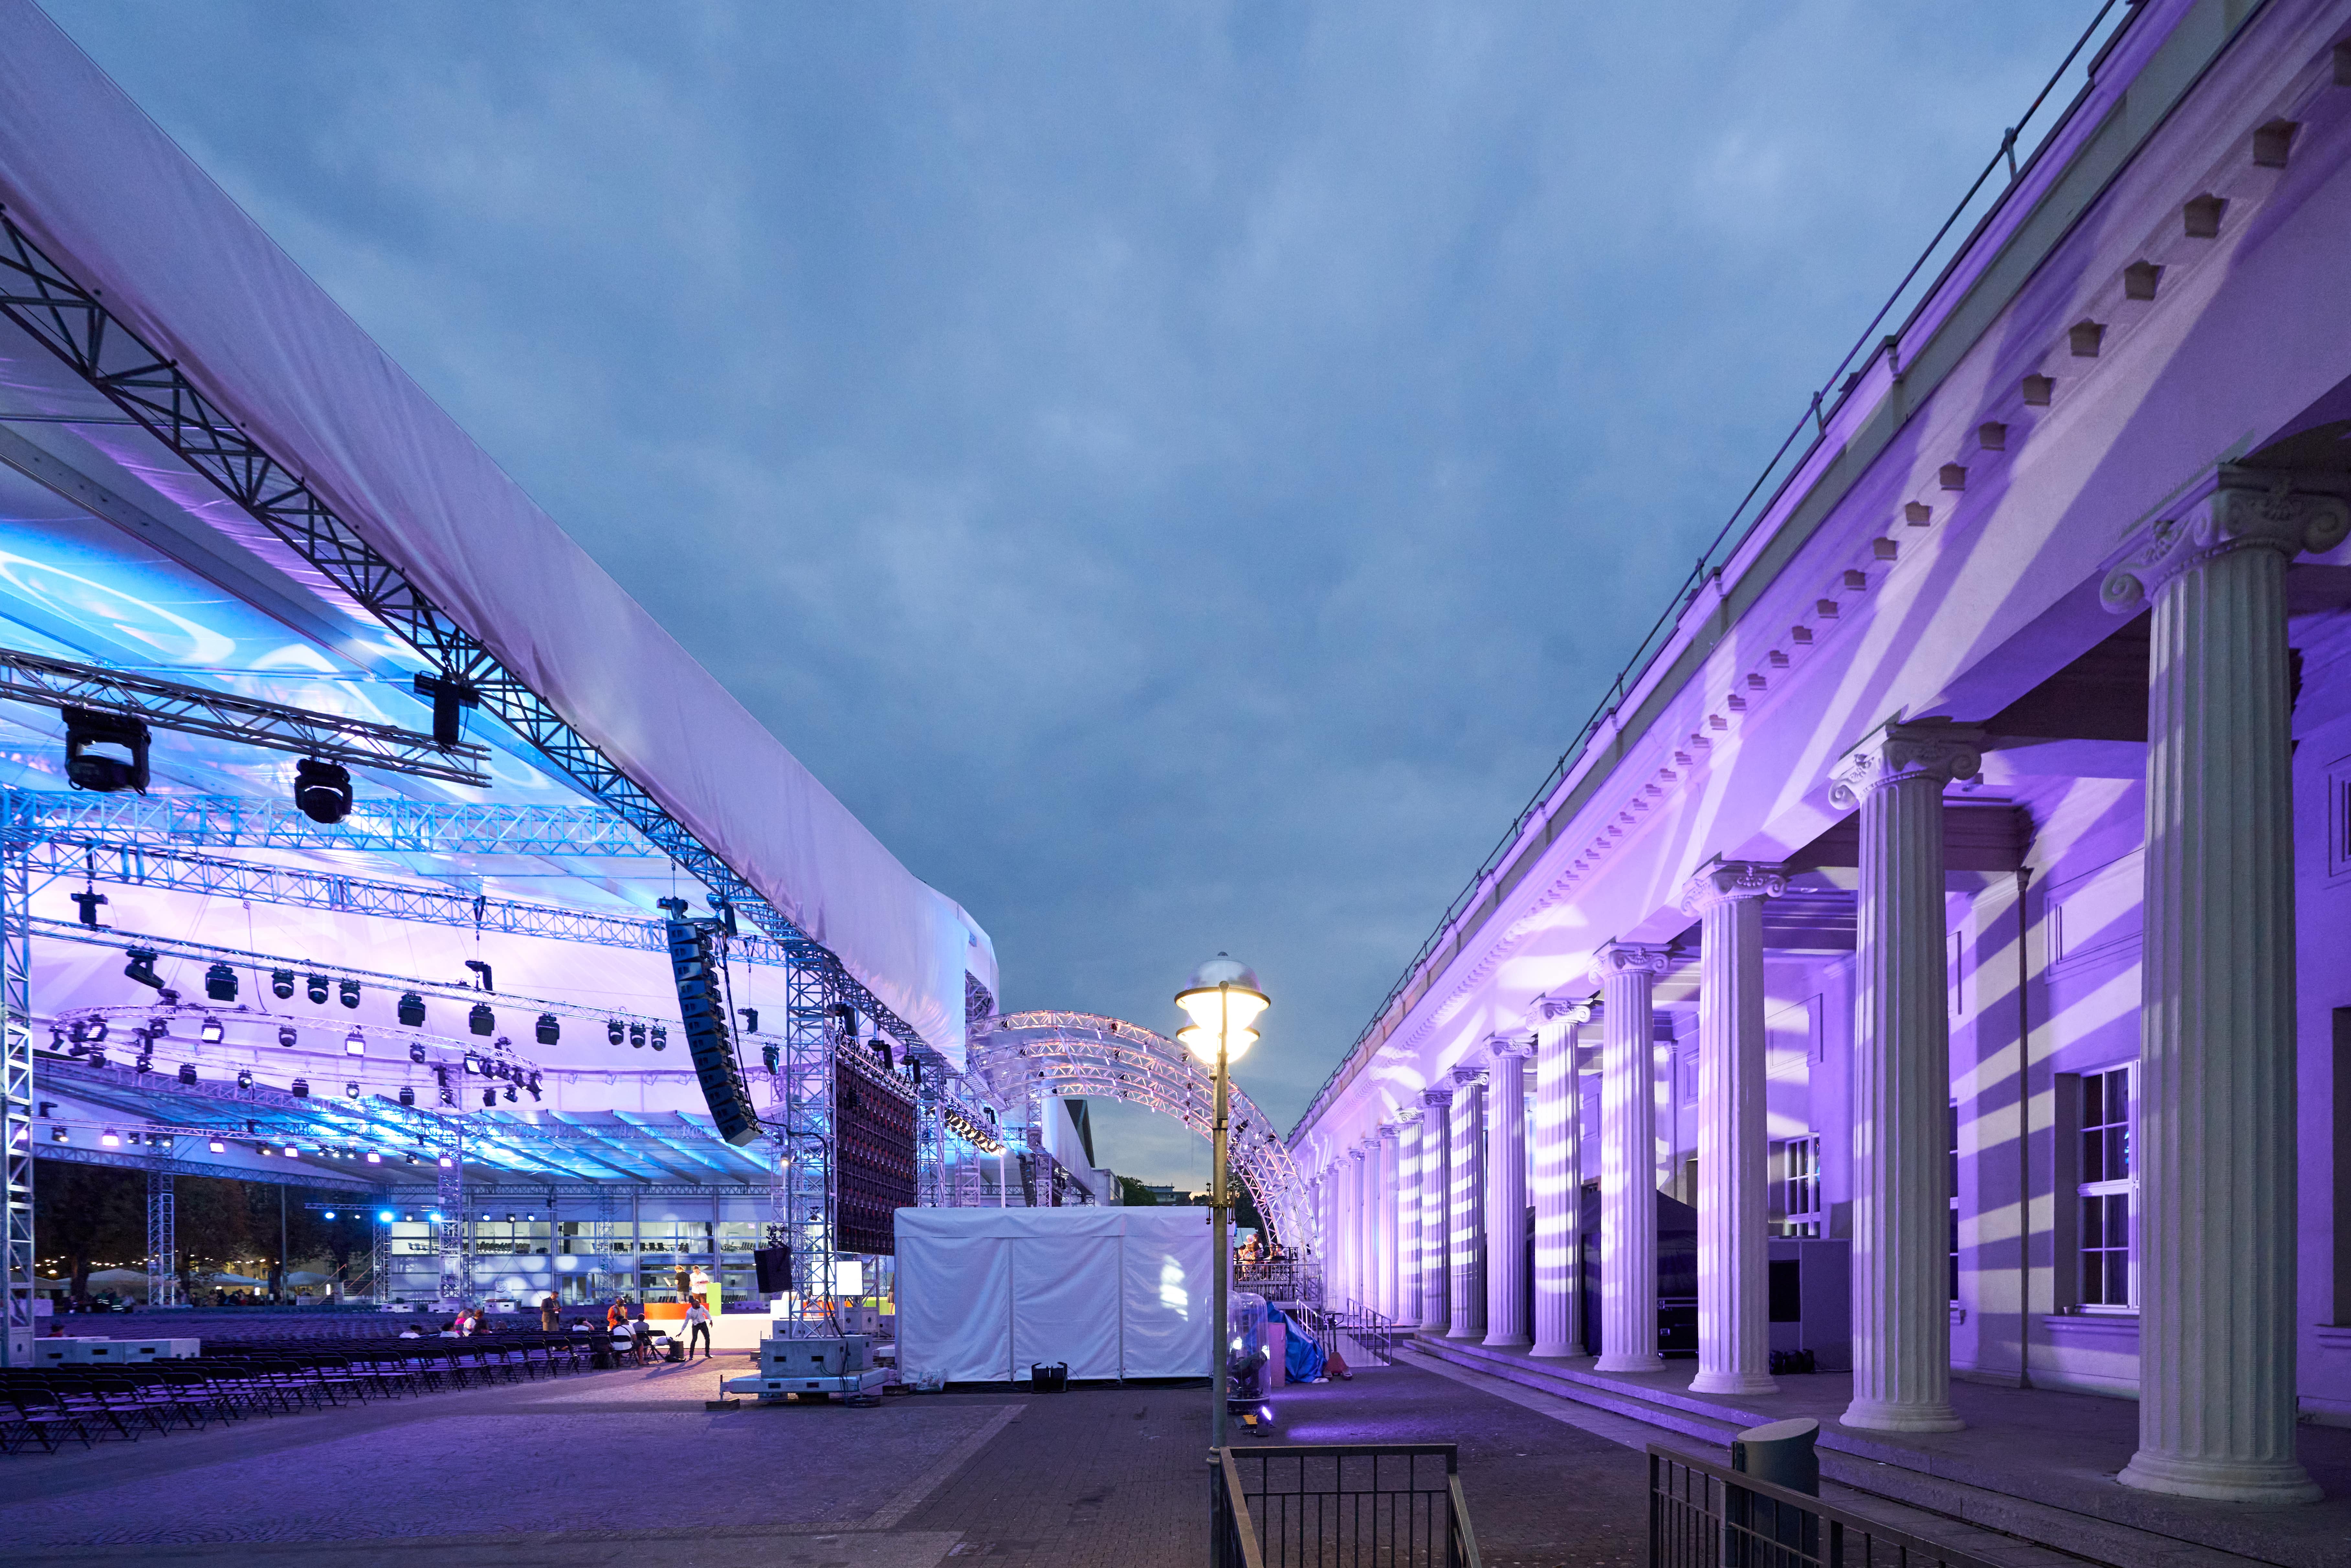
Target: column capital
pixel 2248 509
pixel 1559 1009
pixel 1726 882
pixel 1356 1151
pixel 1498 1046
pixel 1629 958
pixel 1389 1130
pixel 1437 1099
pixel 1896 753
pixel 1467 1076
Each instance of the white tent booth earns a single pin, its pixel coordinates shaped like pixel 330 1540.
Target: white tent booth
pixel 984 1293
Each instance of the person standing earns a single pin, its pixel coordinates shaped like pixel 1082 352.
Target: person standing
pixel 551 1315
pixel 697 1329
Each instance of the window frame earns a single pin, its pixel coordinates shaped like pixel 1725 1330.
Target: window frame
pixel 2105 1187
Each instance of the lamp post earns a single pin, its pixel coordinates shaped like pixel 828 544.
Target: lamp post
pixel 1222 1000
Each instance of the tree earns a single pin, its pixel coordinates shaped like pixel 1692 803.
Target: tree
pixel 212 1226
pixel 1134 1194
pixel 88 1215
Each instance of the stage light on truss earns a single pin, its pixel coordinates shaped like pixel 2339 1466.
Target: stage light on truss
pixel 750 1019
pixel 145 1063
pixel 210 1031
pixel 220 983
pixel 510 1093
pixel 373 1158
pixel 660 1037
pixel 285 1034
pixel 411 1009
pixel 244 1078
pixel 315 987
pixel 407 1097
pixel 613 1032
pixel 772 1056
pixel 281 984
pixel 350 1091
pixel 446 1163
pixel 216 1147
pixel 110 1139
pixel 322 791
pixel 473 1062
pixel 347 992
pixel 105 771
pixel 328 1215
pixel 188 1073
pixel 59 1136
pixel 97 1056
pixel 355 1042
pixel 533 1086
pixel 636 1036
pixel 489 1096
pixel 482 1020
pixel 415 1052
pixel 97 1030
pixel 434 1215
pixel 141 967
pixel 299 1089
pixel 383 1216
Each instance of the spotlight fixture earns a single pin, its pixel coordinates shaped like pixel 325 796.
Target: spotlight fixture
pixel 350 1091
pixel 145 1063
pixel 97 1030
pixel 244 1078
pixel 316 986
pixel 110 1139
pixel 216 1147
pixel 281 984
pixel 446 1163
pixel 355 1043
pixel 750 1019
pixel 482 1020
pixel 97 1056
pixel 882 1050
pixel 473 1062
pixel 407 1095
pixel 772 1057
pixel 415 1052
pixel 637 1036
pixel 451 696
pixel 480 968
pixel 660 1037
pixel 285 1035
pixel 510 1093
pixel 328 1215
pixel 322 791
pixel 613 1032
pixel 489 1096
pixel 59 1136
pixel 411 1008
pixel 88 901
pixel 220 983
pixel 373 1158
pixel 549 1029
pixel 210 1031
pixel 299 1089
pixel 188 1073
pixel 103 771
pixel 533 1087
pixel 347 992
pixel 383 1216
pixel 141 967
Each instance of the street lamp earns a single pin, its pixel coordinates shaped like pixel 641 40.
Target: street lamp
pixel 1222 1000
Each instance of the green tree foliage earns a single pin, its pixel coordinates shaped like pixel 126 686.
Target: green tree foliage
pixel 1134 1194
pixel 89 1216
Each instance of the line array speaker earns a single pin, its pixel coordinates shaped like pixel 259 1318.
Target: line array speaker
pixel 702 1006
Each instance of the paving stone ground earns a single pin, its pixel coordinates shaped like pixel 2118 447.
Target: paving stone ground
pixel 612 1467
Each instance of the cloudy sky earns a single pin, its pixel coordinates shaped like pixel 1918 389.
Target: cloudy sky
pixel 1180 473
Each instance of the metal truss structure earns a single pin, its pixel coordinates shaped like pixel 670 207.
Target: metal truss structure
pixel 808 1194
pixel 139 865
pixel 197 710
pixel 380 825
pixel 70 321
pixel 163 1240
pixel 1030 1056
pixel 17 1099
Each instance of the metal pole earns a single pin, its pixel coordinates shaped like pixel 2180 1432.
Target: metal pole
pixel 1220 1220
pixel 16 1096
pixel 281 1245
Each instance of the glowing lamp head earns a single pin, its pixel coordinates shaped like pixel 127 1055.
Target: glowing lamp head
pixel 1221 998
pixel 1202 1043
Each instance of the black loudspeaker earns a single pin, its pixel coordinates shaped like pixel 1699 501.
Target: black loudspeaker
pixel 775 1266
pixel 702 1006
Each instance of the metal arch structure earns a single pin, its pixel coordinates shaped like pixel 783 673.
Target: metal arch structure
pixel 1022 1057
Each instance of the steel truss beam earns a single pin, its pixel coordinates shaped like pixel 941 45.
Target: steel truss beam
pixel 378 825
pixel 144 867
pixel 72 323
pixel 17 1101
pixel 117 1159
pixel 163 1240
pixel 195 710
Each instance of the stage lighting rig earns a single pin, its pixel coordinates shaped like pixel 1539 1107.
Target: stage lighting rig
pixel 549 1029
pixel 244 1078
pixel 407 1095
pixel 105 772
pixel 489 1096
pixel 412 1010
pixel 299 1089
pixel 281 984
pixel 355 1043
pixel 750 1019
pixel 660 1037
pixel 322 791
pixel 88 899
pixel 482 1020
pixel 220 983
pixel 613 1032
pixel 315 987
pixel 415 1052
pixel 188 1073
pixel 482 976
pixel 450 695
pixel 285 1034
pixel 637 1037
pixel 347 992
pixel 141 967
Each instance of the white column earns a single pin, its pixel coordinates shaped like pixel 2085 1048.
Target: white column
pixel 1506 1192
pixel 1902 1078
pixel 1734 1328
pixel 1351 1165
pixel 1467 1217
pixel 1384 1182
pixel 1558 1133
pixel 2215 1144
pixel 1435 1209
pixel 1627 974
pixel 1408 1229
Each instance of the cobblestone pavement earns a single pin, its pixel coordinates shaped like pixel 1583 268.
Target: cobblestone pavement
pixel 613 1468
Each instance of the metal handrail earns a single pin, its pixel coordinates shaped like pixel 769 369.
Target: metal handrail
pixel 1333 1516
pixel 1231 1525
pixel 1464 1540
pixel 1721 1525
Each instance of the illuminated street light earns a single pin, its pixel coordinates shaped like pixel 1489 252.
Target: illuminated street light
pixel 1222 998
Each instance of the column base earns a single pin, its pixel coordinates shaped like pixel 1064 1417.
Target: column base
pixel 2274 1483
pixel 1884 1415
pixel 1559 1352
pixel 1505 1341
pixel 1465 1331
pixel 1734 1383
pixel 1627 1362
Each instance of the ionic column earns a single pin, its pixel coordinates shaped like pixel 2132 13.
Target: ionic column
pixel 1733 1161
pixel 1506 1191
pixel 1902 1078
pixel 1435 1210
pixel 1385 1181
pixel 1352 1165
pixel 1627 974
pixel 1558 1133
pixel 1408 1227
pixel 2216 1115
pixel 1468 1210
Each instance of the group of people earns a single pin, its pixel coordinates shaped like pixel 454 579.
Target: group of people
pixel 619 1320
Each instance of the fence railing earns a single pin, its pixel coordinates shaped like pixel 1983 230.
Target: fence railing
pixel 1282 1281
pixel 1704 1515
pixel 1339 1506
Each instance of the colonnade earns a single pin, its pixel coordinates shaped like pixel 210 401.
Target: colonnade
pixel 1443 1239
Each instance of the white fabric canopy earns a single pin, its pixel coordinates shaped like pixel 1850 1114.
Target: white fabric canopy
pixel 117 204
pixel 984 1293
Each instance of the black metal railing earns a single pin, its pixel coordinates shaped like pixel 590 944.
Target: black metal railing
pixel 1704 1515
pixel 1281 1282
pixel 1341 1505
pixel 1374 1333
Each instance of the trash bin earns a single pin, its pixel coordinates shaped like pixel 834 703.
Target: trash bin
pixel 1053 1379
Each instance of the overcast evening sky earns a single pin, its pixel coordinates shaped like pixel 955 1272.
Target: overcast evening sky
pixel 1180 473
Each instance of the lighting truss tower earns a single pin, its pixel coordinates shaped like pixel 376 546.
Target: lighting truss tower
pixel 932 1189
pixel 456 1276
pixel 163 1240
pixel 380 1262
pixel 807 1188
pixel 16 1095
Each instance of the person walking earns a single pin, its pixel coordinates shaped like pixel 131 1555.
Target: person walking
pixel 551 1315
pixel 697 1329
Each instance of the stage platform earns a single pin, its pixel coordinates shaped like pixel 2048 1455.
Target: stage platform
pixel 2034 1463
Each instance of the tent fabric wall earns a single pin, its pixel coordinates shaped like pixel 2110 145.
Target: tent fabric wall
pixel 1115 1292
pixel 108 195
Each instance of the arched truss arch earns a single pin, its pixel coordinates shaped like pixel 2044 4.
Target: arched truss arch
pixel 1024 1057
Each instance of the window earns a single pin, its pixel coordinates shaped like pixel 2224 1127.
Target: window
pixel 2108 1182
pixel 1801 1191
